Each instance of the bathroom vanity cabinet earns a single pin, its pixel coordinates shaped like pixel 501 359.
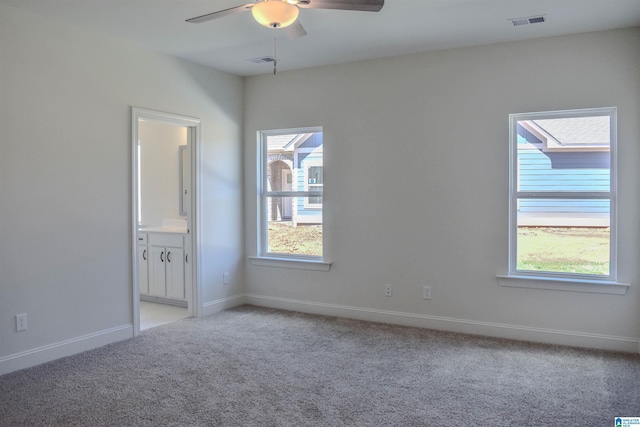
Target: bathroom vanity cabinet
pixel 161 261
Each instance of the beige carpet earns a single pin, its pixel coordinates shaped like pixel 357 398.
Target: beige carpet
pixel 259 367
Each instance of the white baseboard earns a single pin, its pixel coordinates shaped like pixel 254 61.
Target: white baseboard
pixel 216 306
pixel 498 330
pixel 36 356
pixel 47 353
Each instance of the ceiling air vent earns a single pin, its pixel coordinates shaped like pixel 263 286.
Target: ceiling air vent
pixel 262 60
pixel 536 20
pixel 530 20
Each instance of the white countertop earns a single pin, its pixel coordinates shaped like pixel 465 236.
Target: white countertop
pixel 175 230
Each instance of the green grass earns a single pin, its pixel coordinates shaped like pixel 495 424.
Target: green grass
pixel 565 267
pixel 284 238
pixel 582 250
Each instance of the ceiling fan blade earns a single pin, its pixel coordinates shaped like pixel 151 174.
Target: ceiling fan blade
pixel 362 5
pixel 220 13
pixel 294 30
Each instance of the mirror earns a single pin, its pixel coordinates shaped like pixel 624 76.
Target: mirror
pixel 163 166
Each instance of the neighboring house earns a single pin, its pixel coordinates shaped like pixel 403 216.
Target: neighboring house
pixel 295 164
pixel 570 154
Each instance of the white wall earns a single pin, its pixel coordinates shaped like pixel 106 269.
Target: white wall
pixel 416 185
pixel 65 195
pixel 160 171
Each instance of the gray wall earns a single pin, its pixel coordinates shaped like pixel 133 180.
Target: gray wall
pixel 416 185
pixel 65 166
pixel 395 130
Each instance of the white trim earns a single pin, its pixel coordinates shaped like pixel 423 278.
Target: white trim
pixel 216 306
pixel 515 195
pixel 295 263
pixel 263 192
pixel 193 293
pixel 50 352
pixel 310 150
pixel 563 284
pixel 195 222
pixel 147 115
pixel 449 324
pixel 307 129
pixel 47 353
pixel 293 194
pixel 550 144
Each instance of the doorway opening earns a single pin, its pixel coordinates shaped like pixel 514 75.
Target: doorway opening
pixel 164 217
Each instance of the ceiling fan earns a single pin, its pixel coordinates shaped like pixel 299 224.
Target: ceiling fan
pixel 284 13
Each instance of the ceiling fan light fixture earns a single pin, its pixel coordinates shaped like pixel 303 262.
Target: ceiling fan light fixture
pixel 275 13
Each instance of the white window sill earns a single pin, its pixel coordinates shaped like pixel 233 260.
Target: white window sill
pixel 300 264
pixel 563 284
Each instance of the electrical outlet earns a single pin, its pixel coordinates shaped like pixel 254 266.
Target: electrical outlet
pixel 225 278
pixel 387 290
pixel 426 292
pixel 21 322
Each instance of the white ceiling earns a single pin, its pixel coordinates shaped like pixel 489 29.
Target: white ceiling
pixel 334 36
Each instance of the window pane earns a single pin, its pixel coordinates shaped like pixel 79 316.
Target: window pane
pixel 315 201
pixel 315 175
pixel 564 154
pixel 294 162
pixel 314 183
pixel 564 235
pixel 563 193
pixel 291 228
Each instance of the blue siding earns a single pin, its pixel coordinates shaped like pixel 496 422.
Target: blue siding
pixel 574 171
pixel 562 171
pixel 564 206
pixel 302 158
pixel 315 141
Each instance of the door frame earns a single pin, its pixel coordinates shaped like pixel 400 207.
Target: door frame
pixel 193 293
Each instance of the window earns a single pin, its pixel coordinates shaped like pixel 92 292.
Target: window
pixel 563 194
pixel 291 188
pixel 313 182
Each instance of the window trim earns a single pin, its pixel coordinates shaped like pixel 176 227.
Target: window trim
pixel 275 259
pixel 293 263
pixel 545 279
pixel 563 284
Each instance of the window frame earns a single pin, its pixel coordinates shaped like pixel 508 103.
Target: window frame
pixel 264 257
pixel 515 196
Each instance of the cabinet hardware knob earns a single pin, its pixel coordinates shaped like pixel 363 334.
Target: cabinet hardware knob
pixel 144 254
pixel 186 258
pixel 168 256
pixel 161 259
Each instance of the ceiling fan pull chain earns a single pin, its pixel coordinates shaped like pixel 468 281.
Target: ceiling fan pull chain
pixel 275 50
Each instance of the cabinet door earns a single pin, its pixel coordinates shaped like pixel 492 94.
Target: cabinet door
pixel 157 258
pixel 143 272
pixel 175 273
